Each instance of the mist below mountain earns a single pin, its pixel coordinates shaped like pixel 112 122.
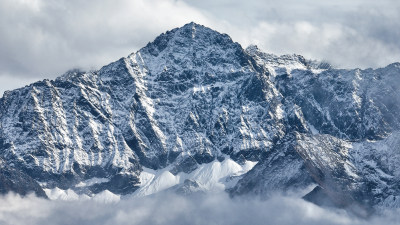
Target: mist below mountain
pixel 216 208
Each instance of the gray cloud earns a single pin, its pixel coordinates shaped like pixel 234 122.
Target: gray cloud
pixel 347 33
pixel 42 39
pixel 173 209
pixel 45 37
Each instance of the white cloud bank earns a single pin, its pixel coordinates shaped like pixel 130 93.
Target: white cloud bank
pixel 173 209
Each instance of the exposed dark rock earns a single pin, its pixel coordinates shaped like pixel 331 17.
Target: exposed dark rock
pixel 194 96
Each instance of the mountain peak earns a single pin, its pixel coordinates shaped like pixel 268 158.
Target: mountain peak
pixel 192 45
pixel 193 28
pixel 187 36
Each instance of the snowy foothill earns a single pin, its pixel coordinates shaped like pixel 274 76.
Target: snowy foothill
pixel 210 176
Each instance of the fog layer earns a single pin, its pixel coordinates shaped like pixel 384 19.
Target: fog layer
pixel 173 209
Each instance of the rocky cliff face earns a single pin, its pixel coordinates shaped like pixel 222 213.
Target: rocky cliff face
pixel 346 134
pixel 13 180
pixel 193 97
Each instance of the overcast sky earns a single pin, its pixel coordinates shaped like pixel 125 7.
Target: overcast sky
pixel 44 38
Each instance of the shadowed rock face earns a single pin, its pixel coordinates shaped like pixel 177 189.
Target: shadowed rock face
pixel 190 97
pixel 193 96
pixel 344 131
pixel 18 182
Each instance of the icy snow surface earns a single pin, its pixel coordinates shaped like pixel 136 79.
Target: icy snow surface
pixel 214 176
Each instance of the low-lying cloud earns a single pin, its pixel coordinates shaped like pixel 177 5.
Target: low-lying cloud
pixel 173 209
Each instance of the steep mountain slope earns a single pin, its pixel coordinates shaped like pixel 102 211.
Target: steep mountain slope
pixel 14 180
pixel 193 111
pixel 191 96
pixel 352 120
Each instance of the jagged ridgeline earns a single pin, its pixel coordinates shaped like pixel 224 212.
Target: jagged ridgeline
pixel 194 111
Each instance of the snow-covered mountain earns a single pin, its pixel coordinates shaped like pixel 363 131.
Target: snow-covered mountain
pixel 194 111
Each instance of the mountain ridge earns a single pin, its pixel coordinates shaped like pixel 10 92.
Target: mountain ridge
pixel 193 98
